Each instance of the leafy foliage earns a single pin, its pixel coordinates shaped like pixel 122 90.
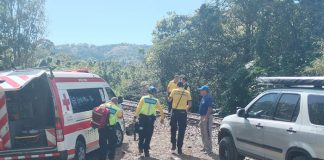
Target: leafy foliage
pixel 22 26
pixel 227 43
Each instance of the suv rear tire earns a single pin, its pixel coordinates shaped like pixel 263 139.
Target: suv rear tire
pixel 227 150
pixel 300 158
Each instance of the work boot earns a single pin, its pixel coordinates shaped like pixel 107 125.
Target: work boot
pixel 111 157
pixel 140 151
pixel 174 147
pixel 180 151
pixel 208 152
pixel 146 154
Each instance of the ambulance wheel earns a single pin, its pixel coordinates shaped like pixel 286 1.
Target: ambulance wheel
pixel 120 136
pixel 80 150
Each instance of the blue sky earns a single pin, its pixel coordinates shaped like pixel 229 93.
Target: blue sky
pixel 109 21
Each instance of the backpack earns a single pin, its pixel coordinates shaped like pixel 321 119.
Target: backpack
pixel 133 129
pixel 100 117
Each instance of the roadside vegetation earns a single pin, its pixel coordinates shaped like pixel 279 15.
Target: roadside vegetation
pixel 225 44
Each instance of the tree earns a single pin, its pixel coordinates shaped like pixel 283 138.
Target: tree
pixel 228 43
pixel 22 25
pixel 284 41
pixel 196 49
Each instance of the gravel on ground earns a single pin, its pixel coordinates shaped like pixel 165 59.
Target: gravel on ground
pixel 160 145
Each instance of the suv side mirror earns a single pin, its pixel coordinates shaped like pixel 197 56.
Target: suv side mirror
pixel 120 100
pixel 241 113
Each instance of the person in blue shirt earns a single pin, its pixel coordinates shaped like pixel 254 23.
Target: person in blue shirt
pixel 206 120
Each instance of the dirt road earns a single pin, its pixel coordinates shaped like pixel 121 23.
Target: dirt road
pixel 160 146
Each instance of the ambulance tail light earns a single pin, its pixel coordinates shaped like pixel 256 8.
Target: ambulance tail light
pixel 59 131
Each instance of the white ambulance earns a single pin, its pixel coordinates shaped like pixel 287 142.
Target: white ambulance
pixel 47 114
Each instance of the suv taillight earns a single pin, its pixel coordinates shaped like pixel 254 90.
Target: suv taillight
pixel 59 131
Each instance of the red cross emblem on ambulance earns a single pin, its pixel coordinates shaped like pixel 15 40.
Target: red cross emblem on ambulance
pixel 66 102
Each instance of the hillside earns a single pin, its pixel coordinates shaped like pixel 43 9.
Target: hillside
pixel 126 53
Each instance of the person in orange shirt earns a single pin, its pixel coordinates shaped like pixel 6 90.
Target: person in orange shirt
pixel 171 86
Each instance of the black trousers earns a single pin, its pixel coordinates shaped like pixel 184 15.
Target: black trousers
pixel 146 129
pixel 107 134
pixel 178 123
pixel 169 106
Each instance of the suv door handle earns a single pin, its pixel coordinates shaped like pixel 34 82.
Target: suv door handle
pixel 291 130
pixel 259 125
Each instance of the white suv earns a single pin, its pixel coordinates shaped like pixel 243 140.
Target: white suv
pixel 280 124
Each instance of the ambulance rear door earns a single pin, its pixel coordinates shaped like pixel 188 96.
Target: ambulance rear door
pixel 12 81
pixel 4 123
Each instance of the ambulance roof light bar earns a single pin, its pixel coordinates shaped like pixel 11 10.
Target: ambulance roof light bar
pixel 316 82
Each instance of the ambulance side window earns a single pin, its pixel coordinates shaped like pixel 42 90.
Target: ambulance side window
pixel 110 92
pixel 85 99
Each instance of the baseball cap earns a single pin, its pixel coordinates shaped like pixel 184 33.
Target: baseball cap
pixel 204 88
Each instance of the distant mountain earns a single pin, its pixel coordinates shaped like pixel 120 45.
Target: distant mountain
pixel 126 53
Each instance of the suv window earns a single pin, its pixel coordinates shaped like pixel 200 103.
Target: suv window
pixel 85 99
pixel 264 107
pixel 110 92
pixel 288 108
pixel 316 109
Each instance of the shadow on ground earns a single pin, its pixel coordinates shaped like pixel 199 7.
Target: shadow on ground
pixel 120 153
pixel 192 157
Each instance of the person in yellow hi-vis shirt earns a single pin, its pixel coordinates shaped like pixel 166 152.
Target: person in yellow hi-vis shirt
pixel 109 132
pixel 181 103
pixel 146 114
pixel 171 86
